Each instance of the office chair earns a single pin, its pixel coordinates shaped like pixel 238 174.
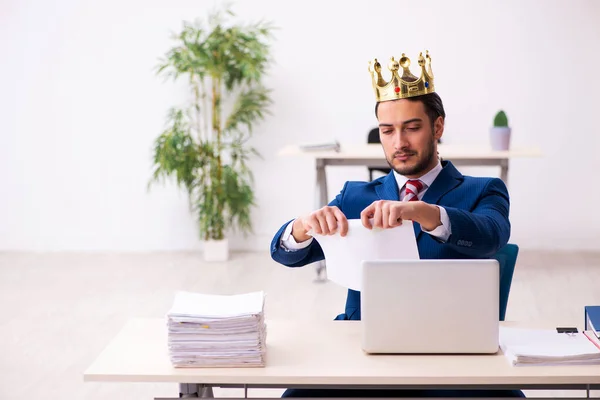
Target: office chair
pixel 373 137
pixel 507 258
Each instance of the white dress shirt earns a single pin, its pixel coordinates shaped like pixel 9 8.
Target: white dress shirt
pixel 442 232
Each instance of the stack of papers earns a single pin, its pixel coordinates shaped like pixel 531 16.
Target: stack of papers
pixel 548 347
pixel 217 331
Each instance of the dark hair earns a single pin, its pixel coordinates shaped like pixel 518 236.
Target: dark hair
pixel 432 102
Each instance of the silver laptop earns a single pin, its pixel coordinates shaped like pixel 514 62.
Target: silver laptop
pixel 430 306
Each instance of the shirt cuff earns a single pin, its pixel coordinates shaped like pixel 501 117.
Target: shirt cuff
pixel 443 231
pixel 288 242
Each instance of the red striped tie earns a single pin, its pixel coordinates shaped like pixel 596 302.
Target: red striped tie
pixel 413 188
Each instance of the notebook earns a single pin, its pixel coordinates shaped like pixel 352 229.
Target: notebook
pixel 401 299
pixel 321 146
pixel 592 319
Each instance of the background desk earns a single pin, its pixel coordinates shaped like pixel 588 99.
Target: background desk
pixel 325 354
pixel 371 155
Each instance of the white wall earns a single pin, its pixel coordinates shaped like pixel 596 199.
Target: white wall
pixel 80 107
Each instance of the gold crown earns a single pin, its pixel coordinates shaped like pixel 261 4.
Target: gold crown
pixel 407 85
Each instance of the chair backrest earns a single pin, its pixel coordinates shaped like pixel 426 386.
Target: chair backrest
pixel 373 137
pixel 507 258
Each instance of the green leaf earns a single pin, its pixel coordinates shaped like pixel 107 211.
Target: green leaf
pixel 250 106
pixel 175 153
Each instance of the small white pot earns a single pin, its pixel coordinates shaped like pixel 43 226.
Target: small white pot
pixel 216 250
pixel 500 138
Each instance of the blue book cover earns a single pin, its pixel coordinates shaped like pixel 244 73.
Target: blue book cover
pixel 592 319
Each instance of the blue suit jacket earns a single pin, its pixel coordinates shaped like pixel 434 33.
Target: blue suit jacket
pixel 478 210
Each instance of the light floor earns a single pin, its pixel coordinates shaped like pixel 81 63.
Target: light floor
pixel 58 311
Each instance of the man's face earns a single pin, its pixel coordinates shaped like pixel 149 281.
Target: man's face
pixel 407 137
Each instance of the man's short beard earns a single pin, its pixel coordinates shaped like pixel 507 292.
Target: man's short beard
pixel 421 166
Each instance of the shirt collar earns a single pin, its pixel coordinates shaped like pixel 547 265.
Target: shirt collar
pixel 427 179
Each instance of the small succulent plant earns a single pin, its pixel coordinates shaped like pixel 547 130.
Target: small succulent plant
pixel 501 120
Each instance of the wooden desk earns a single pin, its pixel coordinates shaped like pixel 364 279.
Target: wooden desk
pixel 371 155
pixel 325 354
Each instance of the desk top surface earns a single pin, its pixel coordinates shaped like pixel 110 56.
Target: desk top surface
pixel 375 151
pixel 317 353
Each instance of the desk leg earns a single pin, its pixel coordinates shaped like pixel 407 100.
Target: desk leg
pixel 322 202
pixel 321 183
pixel 207 392
pixel 195 390
pixel 504 171
pixel 320 270
pixel 587 391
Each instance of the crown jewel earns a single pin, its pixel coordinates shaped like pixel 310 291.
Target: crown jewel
pixel 407 85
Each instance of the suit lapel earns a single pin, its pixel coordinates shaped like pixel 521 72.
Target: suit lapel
pixel 388 190
pixel 448 179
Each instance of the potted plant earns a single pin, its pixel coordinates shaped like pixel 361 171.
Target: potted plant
pixel 500 132
pixel 204 146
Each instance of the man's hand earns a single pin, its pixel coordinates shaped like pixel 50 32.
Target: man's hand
pixel 389 214
pixel 324 221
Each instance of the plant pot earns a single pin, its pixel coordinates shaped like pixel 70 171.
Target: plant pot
pixel 500 138
pixel 216 250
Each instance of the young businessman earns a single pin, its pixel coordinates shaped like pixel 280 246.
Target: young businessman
pixel 455 216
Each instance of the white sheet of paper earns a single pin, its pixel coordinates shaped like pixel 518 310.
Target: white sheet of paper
pixel 202 305
pixel 344 255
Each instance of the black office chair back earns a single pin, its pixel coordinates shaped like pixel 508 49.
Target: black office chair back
pixel 373 137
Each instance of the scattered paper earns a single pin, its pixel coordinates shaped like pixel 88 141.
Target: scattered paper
pixel 344 255
pixel 547 347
